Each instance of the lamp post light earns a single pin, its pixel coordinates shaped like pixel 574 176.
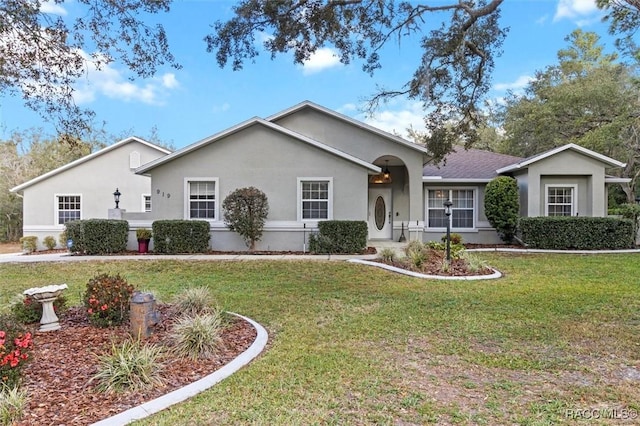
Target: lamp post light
pixel 116 197
pixel 447 213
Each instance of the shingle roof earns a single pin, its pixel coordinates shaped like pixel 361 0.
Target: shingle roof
pixel 470 164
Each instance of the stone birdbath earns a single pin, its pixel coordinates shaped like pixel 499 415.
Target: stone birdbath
pixel 46 296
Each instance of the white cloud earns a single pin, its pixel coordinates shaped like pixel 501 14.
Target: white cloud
pixel 395 117
pixel 169 81
pixel 574 9
pixel 520 83
pixel 53 8
pixel 320 60
pixel 109 82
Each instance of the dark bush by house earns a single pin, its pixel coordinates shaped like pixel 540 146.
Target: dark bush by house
pixel 577 233
pixel 181 236
pixel 339 236
pixel 502 206
pixel 97 236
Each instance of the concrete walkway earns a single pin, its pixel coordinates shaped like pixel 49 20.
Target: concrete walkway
pixel 67 257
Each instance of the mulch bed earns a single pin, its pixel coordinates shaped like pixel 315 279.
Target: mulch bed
pixel 57 376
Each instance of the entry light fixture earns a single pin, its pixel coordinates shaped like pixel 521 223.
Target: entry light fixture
pixel 116 197
pixel 384 176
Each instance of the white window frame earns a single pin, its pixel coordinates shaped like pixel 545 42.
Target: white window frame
pixel 574 196
pixel 216 194
pixel 56 210
pixel 301 180
pixel 144 203
pixel 474 190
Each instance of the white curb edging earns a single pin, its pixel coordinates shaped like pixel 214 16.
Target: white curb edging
pixel 190 390
pixel 496 273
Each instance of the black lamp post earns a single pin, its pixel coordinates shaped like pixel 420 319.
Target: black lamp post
pixel 116 197
pixel 447 213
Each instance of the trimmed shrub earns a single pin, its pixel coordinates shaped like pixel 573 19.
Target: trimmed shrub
pixel 107 300
pixel 98 236
pixel 631 212
pixel 502 206
pixel 245 211
pixel 131 366
pixel 577 233
pixel 49 242
pixel 29 244
pixel 339 236
pixel 181 236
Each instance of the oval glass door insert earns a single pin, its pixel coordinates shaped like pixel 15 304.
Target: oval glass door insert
pixel 380 213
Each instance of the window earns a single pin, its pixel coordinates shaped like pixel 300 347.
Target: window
pixel 560 200
pixel 68 208
pixel 202 199
pixel 146 203
pixel 462 210
pixel 134 160
pixel 315 198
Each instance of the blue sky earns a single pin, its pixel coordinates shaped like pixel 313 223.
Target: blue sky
pixel 201 99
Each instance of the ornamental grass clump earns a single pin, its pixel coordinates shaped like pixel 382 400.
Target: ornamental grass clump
pixel 198 336
pixel 388 255
pixel 107 300
pixel 16 345
pixel 130 366
pixel 13 402
pixel 194 300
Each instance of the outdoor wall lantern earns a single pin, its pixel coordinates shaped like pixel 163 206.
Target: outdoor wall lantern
pixel 384 176
pixel 116 197
pixel 447 213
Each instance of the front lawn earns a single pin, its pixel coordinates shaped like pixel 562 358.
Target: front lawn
pixel 352 344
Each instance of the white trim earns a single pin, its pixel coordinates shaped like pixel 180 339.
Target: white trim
pixel 85 159
pixel 144 204
pixel 440 179
pixel 574 196
pixel 614 179
pixel 55 206
pixel 216 195
pixel 474 189
pixel 299 198
pixel 607 160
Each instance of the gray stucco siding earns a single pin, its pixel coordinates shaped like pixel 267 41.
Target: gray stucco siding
pixel 568 167
pixel 268 160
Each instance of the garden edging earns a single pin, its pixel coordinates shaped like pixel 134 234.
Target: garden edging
pixel 186 392
pixel 496 273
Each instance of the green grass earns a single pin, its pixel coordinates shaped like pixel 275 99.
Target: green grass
pixel 350 344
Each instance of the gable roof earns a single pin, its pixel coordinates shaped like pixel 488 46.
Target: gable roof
pixel 571 146
pixel 352 121
pixel 244 125
pixel 468 165
pixel 87 158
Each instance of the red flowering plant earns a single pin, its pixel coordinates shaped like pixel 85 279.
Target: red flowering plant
pixel 15 346
pixel 107 299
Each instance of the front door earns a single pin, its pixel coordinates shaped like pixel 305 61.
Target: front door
pixel 380 217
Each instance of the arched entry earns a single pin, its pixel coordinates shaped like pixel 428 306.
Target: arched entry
pixel 387 199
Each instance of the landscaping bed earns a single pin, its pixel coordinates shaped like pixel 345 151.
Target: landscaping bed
pixel 58 375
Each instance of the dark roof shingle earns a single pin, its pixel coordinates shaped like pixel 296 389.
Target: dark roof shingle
pixel 470 164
